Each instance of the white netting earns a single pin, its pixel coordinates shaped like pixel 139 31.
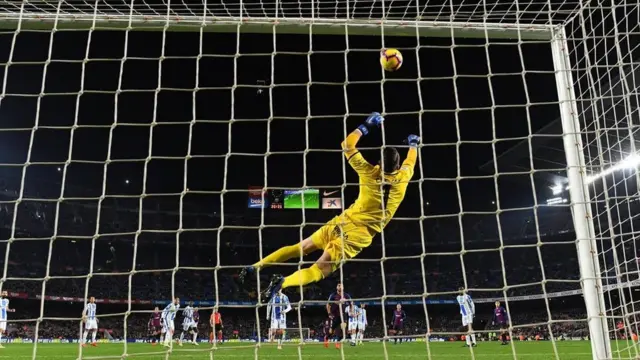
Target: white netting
pixel 126 158
pixel 604 54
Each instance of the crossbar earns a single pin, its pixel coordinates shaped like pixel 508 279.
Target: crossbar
pixel 322 26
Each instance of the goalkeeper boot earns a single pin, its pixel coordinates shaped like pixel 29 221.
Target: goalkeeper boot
pixel 274 286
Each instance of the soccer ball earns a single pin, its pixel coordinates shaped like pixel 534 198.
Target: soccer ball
pixel 390 59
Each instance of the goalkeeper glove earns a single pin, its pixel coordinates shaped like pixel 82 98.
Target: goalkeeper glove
pixel 374 120
pixel 413 140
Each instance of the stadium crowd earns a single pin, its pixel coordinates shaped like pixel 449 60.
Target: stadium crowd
pixel 203 263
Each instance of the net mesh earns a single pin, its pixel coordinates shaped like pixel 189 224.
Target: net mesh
pixel 604 55
pixel 126 159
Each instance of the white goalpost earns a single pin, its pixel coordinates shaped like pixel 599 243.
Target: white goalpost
pixel 201 84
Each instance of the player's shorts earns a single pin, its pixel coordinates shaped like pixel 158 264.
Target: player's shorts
pixel 278 324
pixel 353 325
pixel 335 323
pixel 467 320
pixel 361 326
pixel 186 326
pixel 3 325
pixel 91 324
pixel 397 327
pixel 338 235
pixel 168 326
pixel 194 326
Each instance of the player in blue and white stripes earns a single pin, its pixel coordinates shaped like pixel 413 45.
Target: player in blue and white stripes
pixel 353 313
pixel 277 310
pixel 4 310
pixel 187 322
pixel 362 323
pixel 168 315
pixel 90 322
pixel 468 311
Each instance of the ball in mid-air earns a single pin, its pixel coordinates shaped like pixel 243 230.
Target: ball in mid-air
pixel 390 59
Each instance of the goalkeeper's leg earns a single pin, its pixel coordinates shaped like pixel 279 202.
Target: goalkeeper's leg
pixel 316 272
pixel 281 255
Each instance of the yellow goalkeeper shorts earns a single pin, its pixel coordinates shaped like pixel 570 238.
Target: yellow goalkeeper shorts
pixel 342 240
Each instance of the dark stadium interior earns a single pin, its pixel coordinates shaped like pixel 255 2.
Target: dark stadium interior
pixel 139 170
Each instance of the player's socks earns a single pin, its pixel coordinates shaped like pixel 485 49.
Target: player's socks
pixel 281 255
pixel 468 340
pixel 195 337
pixel 93 336
pixel 353 338
pixel 84 336
pixel 303 277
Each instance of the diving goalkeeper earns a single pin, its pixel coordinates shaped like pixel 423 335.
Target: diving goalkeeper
pixel 382 189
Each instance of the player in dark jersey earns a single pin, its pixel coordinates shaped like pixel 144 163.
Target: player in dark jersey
pixel 397 322
pixel 155 326
pixel 335 310
pixel 500 318
pixel 326 331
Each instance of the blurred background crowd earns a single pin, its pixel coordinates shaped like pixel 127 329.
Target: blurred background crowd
pixel 62 250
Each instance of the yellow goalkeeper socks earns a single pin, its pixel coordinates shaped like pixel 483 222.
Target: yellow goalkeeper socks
pixel 281 255
pixel 303 277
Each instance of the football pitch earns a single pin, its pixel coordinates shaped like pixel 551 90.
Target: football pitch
pixel 567 350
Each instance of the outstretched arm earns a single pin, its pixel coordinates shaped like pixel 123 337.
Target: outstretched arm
pixel 412 155
pixel 355 159
pixel 349 144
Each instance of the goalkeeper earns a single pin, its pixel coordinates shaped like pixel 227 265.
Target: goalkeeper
pixel 382 189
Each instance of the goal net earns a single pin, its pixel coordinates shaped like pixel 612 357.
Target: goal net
pixel 149 150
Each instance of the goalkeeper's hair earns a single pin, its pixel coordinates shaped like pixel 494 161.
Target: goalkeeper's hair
pixel 390 160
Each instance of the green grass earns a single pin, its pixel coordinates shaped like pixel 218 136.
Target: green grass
pixel 567 350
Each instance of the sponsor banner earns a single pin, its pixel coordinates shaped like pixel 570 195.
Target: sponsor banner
pixel 323 303
pixel 79 299
pixel 255 200
pixel 331 193
pixel 332 203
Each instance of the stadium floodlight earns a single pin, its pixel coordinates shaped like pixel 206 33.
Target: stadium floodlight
pixel 556 200
pixel 631 162
pixel 590 44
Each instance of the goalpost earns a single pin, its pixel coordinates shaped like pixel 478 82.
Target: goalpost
pixel 594 57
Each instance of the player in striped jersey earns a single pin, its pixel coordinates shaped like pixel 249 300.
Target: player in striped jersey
pixel 468 311
pixel 4 309
pixel 187 322
pixel 353 313
pixel 168 315
pixel 362 323
pixel 277 310
pixel 90 322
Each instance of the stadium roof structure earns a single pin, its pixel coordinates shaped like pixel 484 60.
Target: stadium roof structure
pixel 605 118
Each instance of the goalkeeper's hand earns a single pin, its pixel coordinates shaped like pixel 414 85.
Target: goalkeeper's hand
pixel 373 121
pixel 413 140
